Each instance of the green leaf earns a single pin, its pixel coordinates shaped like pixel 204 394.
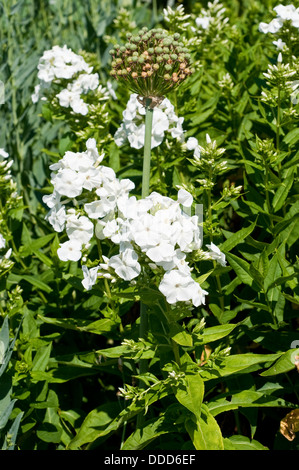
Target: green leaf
pixel 10 442
pixel 238 363
pixel 205 432
pixel 48 432
pixel 283 190
pixel 34 280
pixel 241 268
pixel 292 137
pixel 284 364
pixel 217 332
pixel 246 399
pixel 237 442
pixel 179 335
pixel 237 238
pixel 152 429
pixel 190 393
pixel 41 358
pixel 99 423
pixel 32 246
pixel 99 327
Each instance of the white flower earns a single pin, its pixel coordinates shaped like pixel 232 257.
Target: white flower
pixel 161 253
pixel 145 232
pixel 178 286
pixel 192 144
pixel 279 44
pixel 60 62
pixel 198 297
pixel 79 228
pixel 185 198
pixel 90 276
pixel 85 82
pixel 51 200
pixel 70 250
pixel 111 90
pixel 68 182
pixel 3 154
pixel 57 217
pixel 271 27
pixel 126 264
pixel 203 22
pixel 216 254
pixel 133 128
pixel 2 241
pixel 289 13
pixel 100 208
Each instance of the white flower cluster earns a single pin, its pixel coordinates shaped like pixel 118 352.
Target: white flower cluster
pixel 133 127
pixel 283 14
pixel 154 232
pixel 213 15
pixel 176 16
pixel 61 63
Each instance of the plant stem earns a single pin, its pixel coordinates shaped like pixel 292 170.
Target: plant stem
pixel 143 326
pixel 147 149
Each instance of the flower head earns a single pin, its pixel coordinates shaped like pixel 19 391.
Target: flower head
pixel 151 63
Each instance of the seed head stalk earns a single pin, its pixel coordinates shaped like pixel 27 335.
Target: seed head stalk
pixel 143 325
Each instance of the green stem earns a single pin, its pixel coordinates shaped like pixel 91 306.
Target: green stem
pixel 147 149
pixel 143 326
pixel 267 193
pixel 176 353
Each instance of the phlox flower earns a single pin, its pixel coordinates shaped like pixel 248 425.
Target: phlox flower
pixel 60 62
pixel 70 250
pixel 272 27
pixel 161 253
pixel 70 99
pixel 68 182
pixel 52 199
pixel 154 229
pixel 132 129
pixel 126 264
pixel 178 286
pixel 2 241
pixel 79 228
pixel 90 277
pixel 192 144
pixel 216 254
pixel 289 13
pixel 185 198
pixel 279 44
pixel 57 217
pixel 145 232
pixel 283 13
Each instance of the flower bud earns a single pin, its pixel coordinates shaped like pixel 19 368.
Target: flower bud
pixel 138 63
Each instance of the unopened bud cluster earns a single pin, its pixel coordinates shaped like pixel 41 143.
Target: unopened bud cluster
pixel 151 63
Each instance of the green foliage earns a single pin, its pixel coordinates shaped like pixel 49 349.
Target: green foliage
pixel 219 377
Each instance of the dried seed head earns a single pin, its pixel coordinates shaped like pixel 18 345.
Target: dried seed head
pixel 151 63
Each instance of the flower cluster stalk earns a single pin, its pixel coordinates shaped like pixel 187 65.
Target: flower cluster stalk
pixel 147 148
pixel 143 326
